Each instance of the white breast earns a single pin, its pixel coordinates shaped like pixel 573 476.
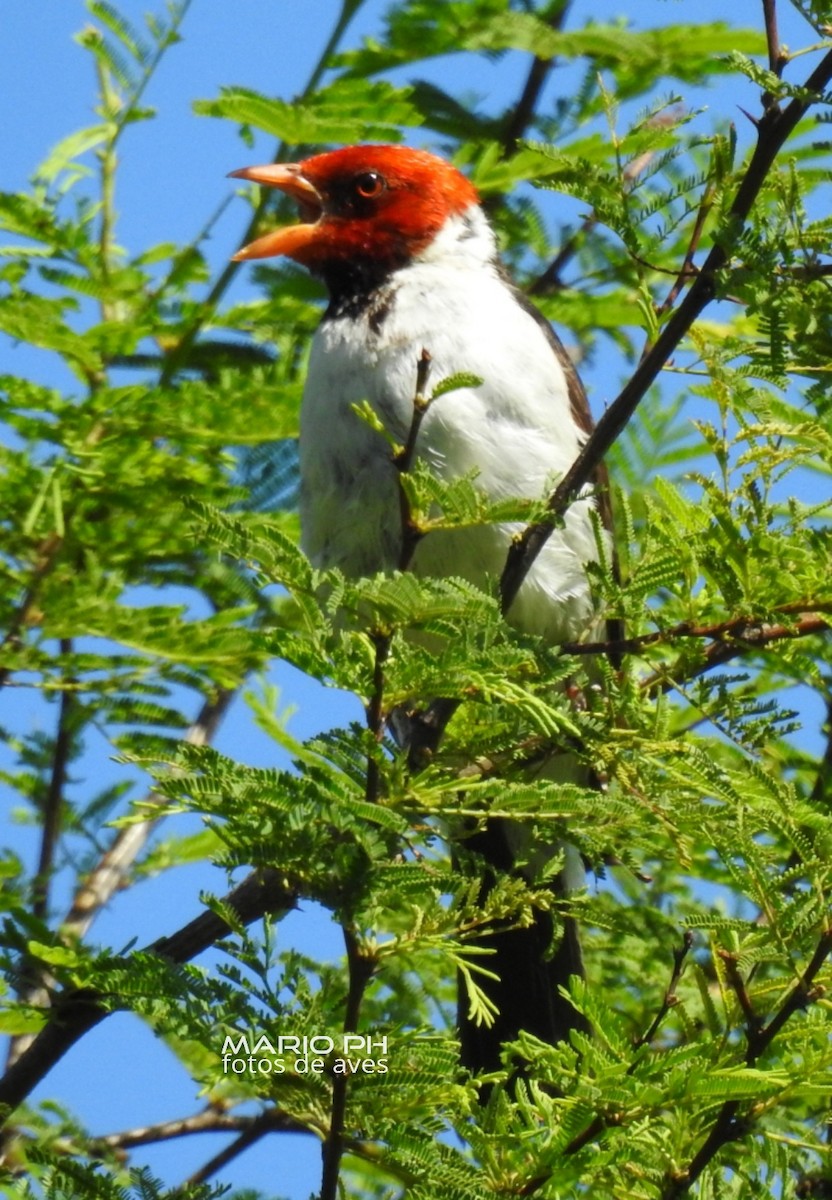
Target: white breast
pixel 515 429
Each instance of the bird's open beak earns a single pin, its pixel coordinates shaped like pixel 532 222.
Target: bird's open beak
pixel 288 178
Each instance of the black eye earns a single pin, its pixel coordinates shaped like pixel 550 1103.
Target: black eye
pixel 368 185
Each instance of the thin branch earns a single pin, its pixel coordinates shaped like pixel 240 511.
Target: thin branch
pixel 53 805
pixel 210 1120
pixel 34 980
pixel 112 870
pixel 77 1011
pixel 375 715
pixel 743 630
pixel 729 1126
pixel 361 967
pixel 549 280
pixel 687 271
pixel 670 997
pixel 202 315
pixel 753 1021
pixel 773 129
pixel 258 1127
pixel 524 111
pixel 776 59
pixel 110 873
pixel 719 652
pixel 404 461
pixel 45 560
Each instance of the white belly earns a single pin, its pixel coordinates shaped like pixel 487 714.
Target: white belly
pixel 515 429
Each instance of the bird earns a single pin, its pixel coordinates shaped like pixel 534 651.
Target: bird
pixel 409 259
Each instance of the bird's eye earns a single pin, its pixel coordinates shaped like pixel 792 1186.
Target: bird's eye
pixel 368 185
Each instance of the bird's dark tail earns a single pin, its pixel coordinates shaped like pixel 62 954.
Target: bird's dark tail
pixel 532 963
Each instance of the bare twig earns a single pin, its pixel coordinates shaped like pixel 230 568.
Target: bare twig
pixel 773 129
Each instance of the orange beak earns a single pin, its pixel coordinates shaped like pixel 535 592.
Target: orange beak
pixel 287 178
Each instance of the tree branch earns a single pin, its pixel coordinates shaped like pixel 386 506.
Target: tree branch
pixel 773 129
pixel 734 635
pixel 670 997
pixel 269 1121
pixel 210 1120
pixel 361 967
pixel 523 113
pixel 729 1126
pixel 111 871
pixel 77 1011
pixel 54 799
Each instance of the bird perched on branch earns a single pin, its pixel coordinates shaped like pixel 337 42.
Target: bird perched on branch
pixel 409 260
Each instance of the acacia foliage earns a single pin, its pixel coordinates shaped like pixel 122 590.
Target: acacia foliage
pixel 167 461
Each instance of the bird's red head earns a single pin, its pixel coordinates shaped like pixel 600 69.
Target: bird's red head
pixel 380 204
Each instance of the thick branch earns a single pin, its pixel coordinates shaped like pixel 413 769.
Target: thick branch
pixel 773 129
pixel 76 1012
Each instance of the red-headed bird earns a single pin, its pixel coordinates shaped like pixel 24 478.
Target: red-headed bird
pixel 410 263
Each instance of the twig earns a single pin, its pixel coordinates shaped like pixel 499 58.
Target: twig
pixel 258 1127
pixel 421 404
pixel 54 798
pixel 34 981
pixel 719 652
pixel 776 58
pixel 549 280
pixel 670 998
pixel 752 1019
pixel 523 113
pixel 111 871
pixel 729 1126
pixel 404 460
pixel 375 715
pixel 45 560
pixel 773 129
pixel 210 1120
pixel 179 354
pixel 687 271
pixel 361 967
pixel 77 1011
pixel 743 630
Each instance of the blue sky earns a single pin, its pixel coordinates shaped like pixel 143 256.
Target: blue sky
pixel 173 176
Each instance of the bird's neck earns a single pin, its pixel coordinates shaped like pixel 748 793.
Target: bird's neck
pixel 361 285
